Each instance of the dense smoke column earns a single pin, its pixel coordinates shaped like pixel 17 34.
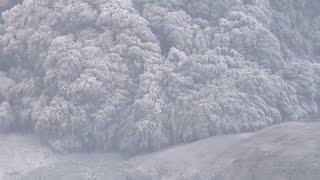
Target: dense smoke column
pixel 141 75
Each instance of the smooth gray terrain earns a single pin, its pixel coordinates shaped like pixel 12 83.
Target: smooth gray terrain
pixel 289 151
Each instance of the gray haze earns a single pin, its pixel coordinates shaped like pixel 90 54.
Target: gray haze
pixel 139 76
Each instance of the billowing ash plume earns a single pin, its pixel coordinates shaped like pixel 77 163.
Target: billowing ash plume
pixel 142 75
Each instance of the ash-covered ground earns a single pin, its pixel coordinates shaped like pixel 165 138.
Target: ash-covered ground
pixel 289 151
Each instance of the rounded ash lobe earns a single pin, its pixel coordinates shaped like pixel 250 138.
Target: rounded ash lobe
pixel 141 75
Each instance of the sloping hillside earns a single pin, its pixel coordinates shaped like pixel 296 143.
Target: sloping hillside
pixel 283 152
pixel 289 151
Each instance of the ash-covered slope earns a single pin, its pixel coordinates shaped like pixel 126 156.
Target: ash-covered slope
pixel 141 75
pixel 289 151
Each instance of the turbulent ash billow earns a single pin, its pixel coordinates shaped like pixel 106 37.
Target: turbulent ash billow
pixel 141 75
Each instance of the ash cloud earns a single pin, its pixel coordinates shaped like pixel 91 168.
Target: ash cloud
pixel 142 75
